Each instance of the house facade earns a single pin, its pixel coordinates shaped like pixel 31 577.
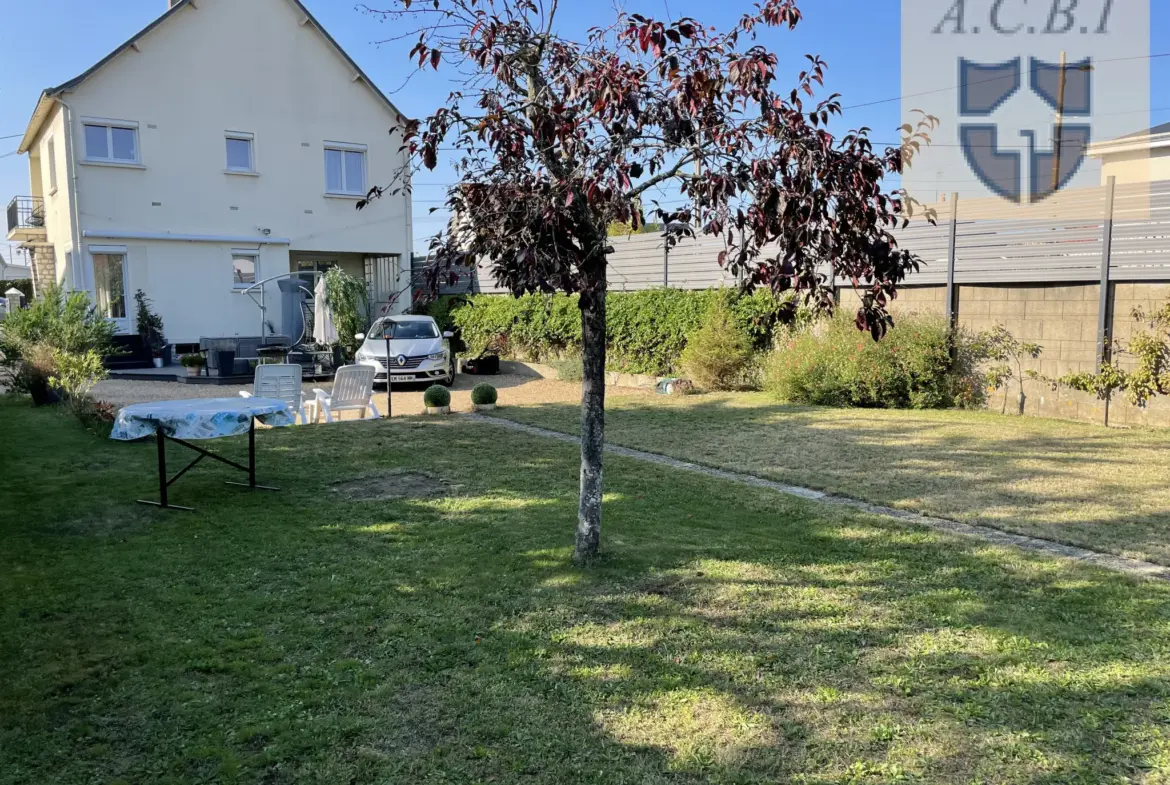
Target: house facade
pixel 225 145
pixel 1138 158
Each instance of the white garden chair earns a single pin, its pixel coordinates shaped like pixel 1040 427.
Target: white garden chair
pixel 353 390
pixel 281 381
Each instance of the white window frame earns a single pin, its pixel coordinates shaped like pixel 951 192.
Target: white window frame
pixel 110 125
pixel 122 323
pixel 51 154
pixel 240 136
pixel 254 253
pixel 343 148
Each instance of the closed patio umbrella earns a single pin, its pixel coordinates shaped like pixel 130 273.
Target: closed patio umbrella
pixel 324 331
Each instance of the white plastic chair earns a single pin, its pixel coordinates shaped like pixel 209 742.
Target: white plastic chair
pixel 353 389
pixel 281 381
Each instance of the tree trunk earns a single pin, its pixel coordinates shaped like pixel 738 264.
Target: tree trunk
pixel 588 541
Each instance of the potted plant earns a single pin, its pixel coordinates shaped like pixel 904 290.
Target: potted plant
pixel 483 397
pixel 193 363
pixel 437 399
pixel 150 328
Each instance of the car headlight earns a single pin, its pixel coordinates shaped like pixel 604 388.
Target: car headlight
pixel 437 356
pixel 363 356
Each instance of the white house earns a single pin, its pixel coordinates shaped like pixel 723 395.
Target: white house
pixel 1141 157
pixel 225 144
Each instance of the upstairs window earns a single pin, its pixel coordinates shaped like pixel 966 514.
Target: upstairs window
pixel 111 142
pixel 51 154
pixel 239 152
pixel 345 169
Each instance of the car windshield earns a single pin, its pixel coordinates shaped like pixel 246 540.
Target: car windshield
pixel 405 331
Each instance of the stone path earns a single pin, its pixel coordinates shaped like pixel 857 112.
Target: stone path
pixel 1132 567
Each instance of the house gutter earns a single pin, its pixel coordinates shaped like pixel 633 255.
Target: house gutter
pixel 77 254
pixel 114 234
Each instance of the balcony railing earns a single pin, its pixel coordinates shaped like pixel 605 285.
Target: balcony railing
pixel 26 215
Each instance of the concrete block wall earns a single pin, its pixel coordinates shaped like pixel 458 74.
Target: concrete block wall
pixel 1062 318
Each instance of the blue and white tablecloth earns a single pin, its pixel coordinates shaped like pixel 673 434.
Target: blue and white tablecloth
pixel 199 418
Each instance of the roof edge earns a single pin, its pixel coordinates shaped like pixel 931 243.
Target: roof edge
pixel 44 103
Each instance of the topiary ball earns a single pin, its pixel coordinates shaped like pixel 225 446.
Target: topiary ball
pixel 437 396
pixel 484 394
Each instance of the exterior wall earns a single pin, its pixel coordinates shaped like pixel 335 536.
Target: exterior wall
pixel 1138 166
pixel 58 222
pixel 190 286
pixel 285 84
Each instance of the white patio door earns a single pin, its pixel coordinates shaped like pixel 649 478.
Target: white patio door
pixel 108 281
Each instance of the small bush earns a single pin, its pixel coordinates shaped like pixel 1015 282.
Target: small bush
pixel 484 394
pixel 192 361
pixel 437 396
pixel 571 370
pixel 31 338
pixel 718 353
pixel 833 364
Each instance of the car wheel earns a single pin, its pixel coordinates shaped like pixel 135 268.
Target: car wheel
pixel 449 379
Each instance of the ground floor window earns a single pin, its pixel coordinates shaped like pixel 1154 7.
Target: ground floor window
pixel 109 284
pixel 245 268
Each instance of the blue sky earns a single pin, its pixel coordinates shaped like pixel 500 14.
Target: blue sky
pixel 859 39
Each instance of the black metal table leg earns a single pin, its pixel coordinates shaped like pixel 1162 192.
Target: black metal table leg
pixel 252 462
pixel 163 483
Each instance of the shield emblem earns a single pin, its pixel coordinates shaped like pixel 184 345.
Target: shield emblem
pixel 984 88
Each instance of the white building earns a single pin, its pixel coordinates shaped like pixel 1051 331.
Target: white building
pixel 224 144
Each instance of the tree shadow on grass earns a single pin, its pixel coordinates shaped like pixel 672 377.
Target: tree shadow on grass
pixel 728 635
pixel 1069 482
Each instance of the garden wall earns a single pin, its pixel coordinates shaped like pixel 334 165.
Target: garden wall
pixel 1063 319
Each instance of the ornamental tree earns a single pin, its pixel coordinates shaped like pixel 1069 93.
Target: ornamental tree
pixel 555 140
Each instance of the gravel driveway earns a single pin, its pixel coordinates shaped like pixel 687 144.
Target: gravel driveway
pixel 514 389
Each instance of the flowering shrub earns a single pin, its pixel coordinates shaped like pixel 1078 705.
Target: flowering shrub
pixel 912 367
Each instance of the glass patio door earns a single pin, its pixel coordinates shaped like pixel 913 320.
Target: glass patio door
pixel 107 279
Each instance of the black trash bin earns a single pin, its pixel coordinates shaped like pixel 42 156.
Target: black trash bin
pixel 225 362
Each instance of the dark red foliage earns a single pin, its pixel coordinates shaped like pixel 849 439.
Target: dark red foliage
pixel 557 139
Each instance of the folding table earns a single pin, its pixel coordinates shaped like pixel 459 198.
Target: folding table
pixel 200 419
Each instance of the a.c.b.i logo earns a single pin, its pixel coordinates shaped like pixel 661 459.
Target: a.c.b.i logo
pixel 1013 124
pixel 985 88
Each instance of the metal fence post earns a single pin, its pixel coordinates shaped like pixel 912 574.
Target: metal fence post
pixel 952 290
pixel 1104 310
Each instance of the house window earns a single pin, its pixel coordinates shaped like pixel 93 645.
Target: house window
pixel 111 143
pixel 245 268
pixel 345 169
pixel 109 284
pixel 51 154
pixel 239 152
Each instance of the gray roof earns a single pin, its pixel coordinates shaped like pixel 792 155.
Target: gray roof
pixel 1157 130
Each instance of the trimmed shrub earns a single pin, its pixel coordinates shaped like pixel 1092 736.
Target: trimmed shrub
pixel 483 394
pixel 437 396
pixel 718 353
pixel 55 325
pixel 833 364
pixel 647 330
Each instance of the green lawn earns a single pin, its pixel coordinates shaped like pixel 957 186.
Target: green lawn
pixel 729 635
pixel 1081 484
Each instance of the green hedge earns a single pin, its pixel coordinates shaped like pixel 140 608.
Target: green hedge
pixel 647 330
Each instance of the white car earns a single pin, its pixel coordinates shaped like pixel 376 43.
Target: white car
pixel 419 351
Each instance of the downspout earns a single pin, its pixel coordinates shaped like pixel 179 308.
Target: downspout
pixel 78 256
